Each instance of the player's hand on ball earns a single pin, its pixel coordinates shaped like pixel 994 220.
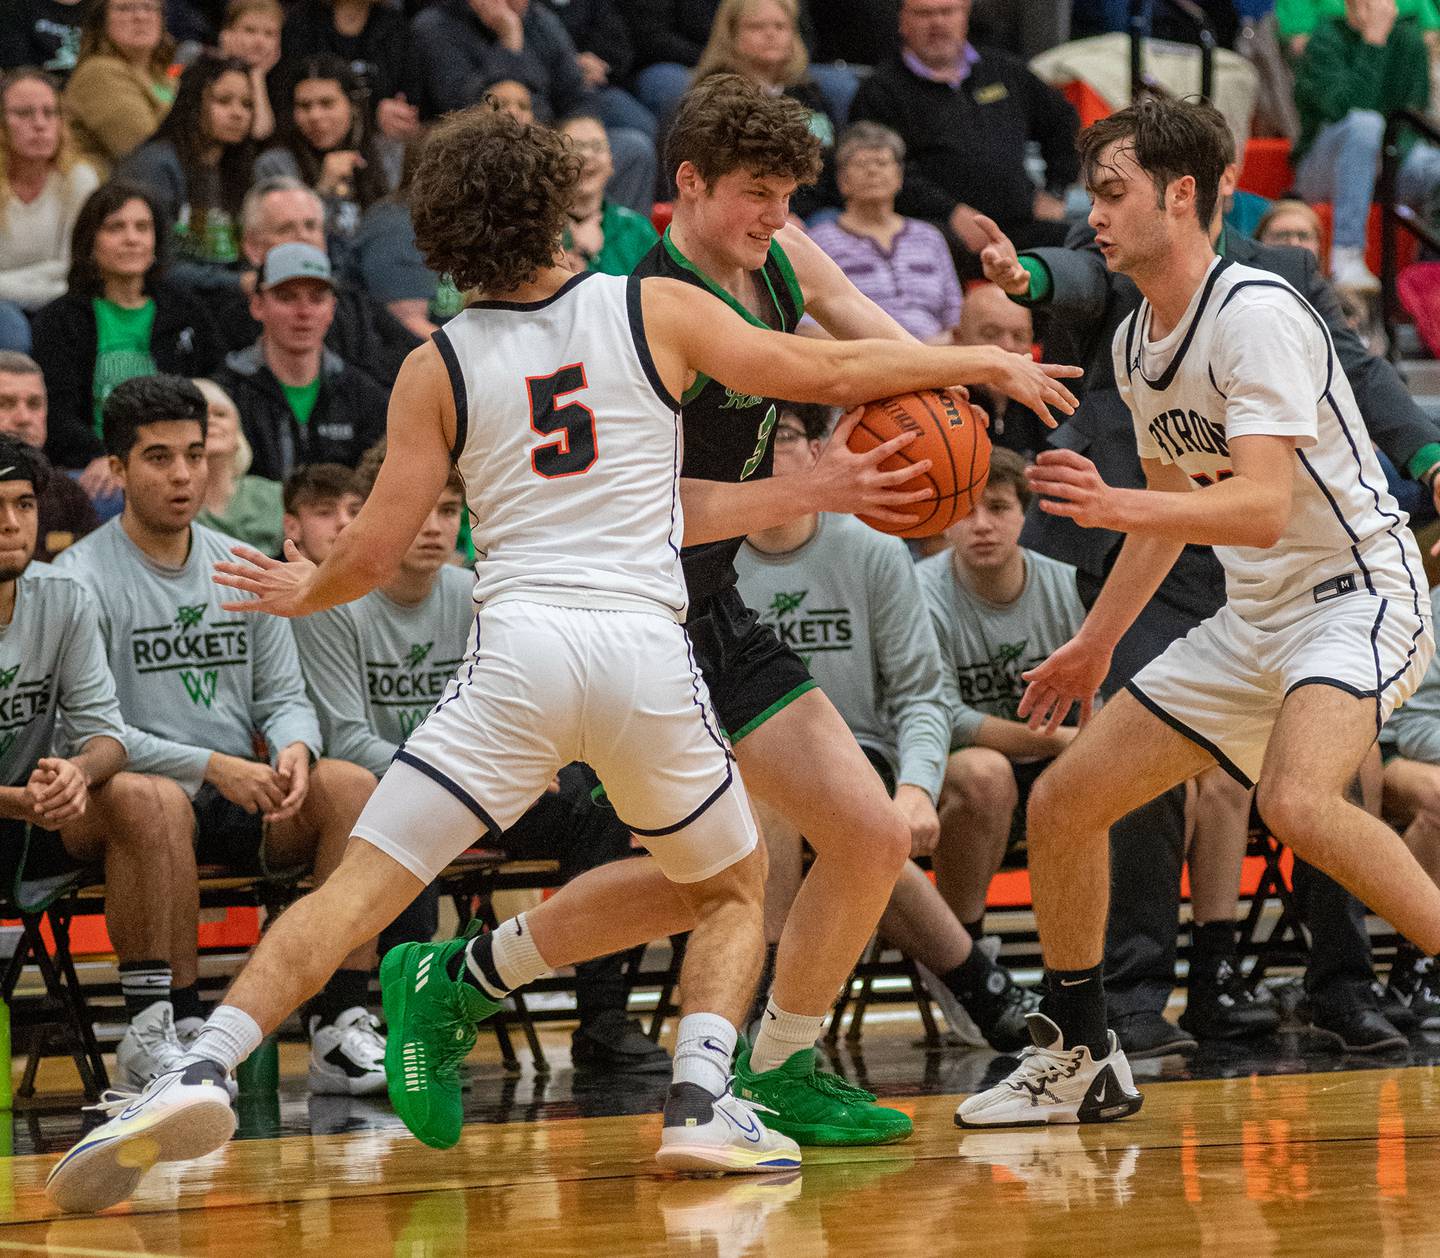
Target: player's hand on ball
pixel 1034 385
pixel 279 587
pixel 1068 484
pixel 1069 676
pixel 845 483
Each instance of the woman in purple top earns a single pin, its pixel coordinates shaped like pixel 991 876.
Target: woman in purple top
pixel 901 264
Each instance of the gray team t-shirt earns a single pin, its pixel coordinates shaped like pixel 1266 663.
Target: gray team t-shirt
pixel 847 602
pixel 375 668
pixel 191 679
pixel 56 691
pixel 986 646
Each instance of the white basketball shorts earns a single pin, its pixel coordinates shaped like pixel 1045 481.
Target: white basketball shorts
pixel 542 686
pixel 1223 683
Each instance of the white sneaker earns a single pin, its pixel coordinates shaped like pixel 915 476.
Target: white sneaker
pixel 148 1048
pixel 1348 270
pixel 187 1029
pixel 183 1114
pixel 347 1056
pixel 1055 1084
pixel 720 1134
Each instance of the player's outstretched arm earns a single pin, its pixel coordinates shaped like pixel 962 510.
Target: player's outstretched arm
pixel 831 298
pixel 419 431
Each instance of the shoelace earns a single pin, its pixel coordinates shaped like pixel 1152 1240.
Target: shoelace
pixel 1041 1066
pixel 755 1107
pixel 112 1101
pixel 454 1036
pixel 833 1085
pixel 363 1039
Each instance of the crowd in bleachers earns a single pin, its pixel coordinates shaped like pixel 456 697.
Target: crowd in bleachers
pixel 217 192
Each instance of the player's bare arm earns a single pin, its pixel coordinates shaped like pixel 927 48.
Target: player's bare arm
pixel 1249 508
pixel 831 298
pixel 419 430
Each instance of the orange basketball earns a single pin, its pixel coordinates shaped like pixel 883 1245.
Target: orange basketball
pixel 957 446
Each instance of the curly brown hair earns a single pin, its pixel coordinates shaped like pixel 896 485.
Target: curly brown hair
pixel 728 123
pixel 489 198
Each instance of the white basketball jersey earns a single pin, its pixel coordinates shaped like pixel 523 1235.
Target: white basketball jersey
pixel 1251 356
pixel 570 448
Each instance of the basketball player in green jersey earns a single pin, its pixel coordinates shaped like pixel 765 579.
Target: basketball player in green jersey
pixel 738 154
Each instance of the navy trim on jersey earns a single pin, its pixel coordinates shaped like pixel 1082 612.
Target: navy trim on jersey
pixel 692 817
pixel 457 388
pixel 455 681
pixel 1321 680
pixel 1198 739
pixel 712 730
pixel 634 309
pixel 534 305
pixel 1307 308
pixel 447 783
pixel 1167 377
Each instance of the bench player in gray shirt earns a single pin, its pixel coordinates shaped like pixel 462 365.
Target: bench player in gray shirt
pixel 998 610
pixel 202 690
pixel 845 597
pixel 64 804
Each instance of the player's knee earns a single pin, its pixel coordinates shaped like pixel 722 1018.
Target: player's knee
pixel 344 779
pixel 1052 809
pixel 981 781
pixel 1292 811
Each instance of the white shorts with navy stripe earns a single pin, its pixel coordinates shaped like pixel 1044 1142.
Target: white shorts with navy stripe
pixel 1223 683
pixel 542 686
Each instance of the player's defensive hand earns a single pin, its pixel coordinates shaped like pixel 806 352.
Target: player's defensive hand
pixel 1034 385
pixel 920 815
pixel 1000 261
pixel 1069 676
pixel 846 483
pixel 1068 484
pixel 279 586
pixel 58 792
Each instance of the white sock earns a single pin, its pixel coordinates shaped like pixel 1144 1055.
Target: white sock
pixel 228 1037
pixel 782 1035
pixel 516 958
pixel 704 1048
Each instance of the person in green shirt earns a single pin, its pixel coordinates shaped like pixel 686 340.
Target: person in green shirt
pixel 603 236
pixel 247 508
pixel 1296 20
pixel 1356 70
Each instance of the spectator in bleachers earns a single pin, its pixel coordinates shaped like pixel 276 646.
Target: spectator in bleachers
pixel 66 514
pixel 1296 20
pixel 966 116
pixel 998 610
pixel 989 317
pixel 1290 222
pixel 370 37
pixel 1357 69
pixel 252 34
pixel 319 500
pixel 1410 744
pixel 902 264
pixel 605 56
pixel 328 140
pixel 846 598
pixel 462 48
pixel 64 802
pixel 1026 30
pixel 247 508
pixel 603 236
pixel 513 97
pixel 198 167
pixel 364 334
pixel 150 572
pixel 42 187
pixel 42 33
pixel 120 89
pixel 300 402
pixel 120 316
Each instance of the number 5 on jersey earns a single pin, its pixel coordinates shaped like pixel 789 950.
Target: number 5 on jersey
pixel 574 450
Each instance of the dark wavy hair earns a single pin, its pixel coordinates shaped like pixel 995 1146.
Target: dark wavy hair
pixel 85 278
pixel 370 181
pixel 184 127
pixel 141 400
pixel 730 123
pixel 489 198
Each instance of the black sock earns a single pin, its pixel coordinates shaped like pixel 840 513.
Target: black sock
pixel 142 983
pixel 976 928
pixel 1214 940
pixel 345 990
pixel 482 949
pixel 1407 955
pixel 1075 1002
pixel 186 1002
pixel 977 981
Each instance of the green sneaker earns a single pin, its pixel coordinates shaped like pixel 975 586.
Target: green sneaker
pixel 814 1106
pixel 431 1020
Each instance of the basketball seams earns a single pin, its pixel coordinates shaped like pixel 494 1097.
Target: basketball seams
pixel 928 400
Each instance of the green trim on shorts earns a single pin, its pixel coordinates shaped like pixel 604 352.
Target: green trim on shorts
pixel 784 701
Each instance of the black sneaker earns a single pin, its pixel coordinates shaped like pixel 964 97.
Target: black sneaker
pixel 1413 987
pixel 1222 1005
pixel 1359 1026
pixel 1146 1034
pixel 1001 1018
pixel 611 1043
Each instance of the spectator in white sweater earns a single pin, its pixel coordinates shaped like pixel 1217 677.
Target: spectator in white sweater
pixel 42 186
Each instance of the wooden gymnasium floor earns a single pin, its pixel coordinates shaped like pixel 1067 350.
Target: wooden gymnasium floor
pixel 1340 1157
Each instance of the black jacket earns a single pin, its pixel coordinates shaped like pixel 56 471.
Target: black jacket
pixel 598 26
pixel 184 341
pixel 379 54
pixel 968 143
pixel 349 414
pixel 1090 302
